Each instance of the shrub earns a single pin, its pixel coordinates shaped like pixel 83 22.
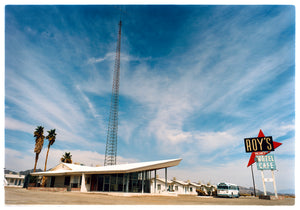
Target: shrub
pixel 201 192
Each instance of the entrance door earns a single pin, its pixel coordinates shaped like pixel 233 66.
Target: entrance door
pixel 94 183
pixel 100 183
pixel 52 181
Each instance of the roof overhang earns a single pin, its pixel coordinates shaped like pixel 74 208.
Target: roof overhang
pixel 112 169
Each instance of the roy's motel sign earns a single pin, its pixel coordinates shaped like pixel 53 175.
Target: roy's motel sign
pixel 260 147
pixel 265 162
pixel 258 144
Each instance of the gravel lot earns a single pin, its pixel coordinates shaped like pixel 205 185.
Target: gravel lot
pixel 15 196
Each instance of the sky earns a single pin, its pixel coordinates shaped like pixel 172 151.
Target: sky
pixel 195 81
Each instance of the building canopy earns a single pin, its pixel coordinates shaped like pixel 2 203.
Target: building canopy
pixel 73 169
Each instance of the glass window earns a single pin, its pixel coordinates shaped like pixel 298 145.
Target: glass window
pixel 191 189
pixel 223 187
pixel 106 183
pixel 113 187
pixel 120 182
pixel 140 176
pixel 106 179
pixel 176 188
pixel 75 179
pixel 120 178
pixel 159 187
pixel 67 180
pixel 134 176
pixel 100 182
pixel 114 179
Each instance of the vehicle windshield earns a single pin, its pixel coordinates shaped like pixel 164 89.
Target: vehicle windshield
pixel 223 187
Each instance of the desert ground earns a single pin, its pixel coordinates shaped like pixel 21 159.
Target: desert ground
pixel 21 196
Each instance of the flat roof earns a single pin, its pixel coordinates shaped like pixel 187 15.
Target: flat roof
pixel 14 176
pixel 68 168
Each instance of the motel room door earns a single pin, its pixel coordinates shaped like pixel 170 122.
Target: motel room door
pixel 52 181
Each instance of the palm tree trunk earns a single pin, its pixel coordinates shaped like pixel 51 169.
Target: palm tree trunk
pixel 47 157
pixel 36 160
pixel 44 178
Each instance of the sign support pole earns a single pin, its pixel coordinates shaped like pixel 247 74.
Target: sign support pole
pixel 263 179
pixel 253 181
pixel 274 184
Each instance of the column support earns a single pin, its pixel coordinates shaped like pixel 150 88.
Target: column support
pixel 127 182
pixel 274 184
pixel 123 183
pixel 253 181
pixel 166 180
pixel 83 187
pixel 149 180
pixel 263 179
pixel 143 177
pixel 155 181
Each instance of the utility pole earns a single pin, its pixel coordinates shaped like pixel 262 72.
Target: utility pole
pixel 112 130
pixel 253 181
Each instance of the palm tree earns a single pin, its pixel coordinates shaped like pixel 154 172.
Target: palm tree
pixel 66 158
pixel 39 142
pixel 51 137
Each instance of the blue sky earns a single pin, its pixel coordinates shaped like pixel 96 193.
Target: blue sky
pixel 195 81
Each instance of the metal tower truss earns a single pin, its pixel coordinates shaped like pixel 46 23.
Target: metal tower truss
pixel 112 131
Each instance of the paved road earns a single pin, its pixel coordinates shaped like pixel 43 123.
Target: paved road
pixel 22 196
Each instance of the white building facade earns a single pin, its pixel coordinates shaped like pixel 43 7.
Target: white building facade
pixel 15 180
pixel 179 187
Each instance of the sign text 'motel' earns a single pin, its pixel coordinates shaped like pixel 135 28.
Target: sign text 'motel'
pixel 265 162
pixel 257 144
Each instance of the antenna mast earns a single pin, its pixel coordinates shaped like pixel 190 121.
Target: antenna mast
pixel 112 131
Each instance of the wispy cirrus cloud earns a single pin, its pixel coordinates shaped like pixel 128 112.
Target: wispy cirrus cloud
pixel 16 160
pixel 234 84
pixel 41 99
pixel 108 56
pixel 13 124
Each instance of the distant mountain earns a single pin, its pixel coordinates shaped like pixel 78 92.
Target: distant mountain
pixel 287 192
pixel 22 172
pixel 30 171
pixel 245 190
pixel 9 172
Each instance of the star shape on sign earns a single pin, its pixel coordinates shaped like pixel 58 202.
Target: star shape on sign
pixel 254 154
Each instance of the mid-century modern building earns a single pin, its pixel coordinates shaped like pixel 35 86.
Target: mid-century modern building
pixel 133 177
pixel 15 180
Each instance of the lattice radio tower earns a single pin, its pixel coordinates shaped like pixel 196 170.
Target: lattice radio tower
pixel 112 131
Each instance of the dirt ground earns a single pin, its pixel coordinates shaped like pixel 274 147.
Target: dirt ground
pixel 16 196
